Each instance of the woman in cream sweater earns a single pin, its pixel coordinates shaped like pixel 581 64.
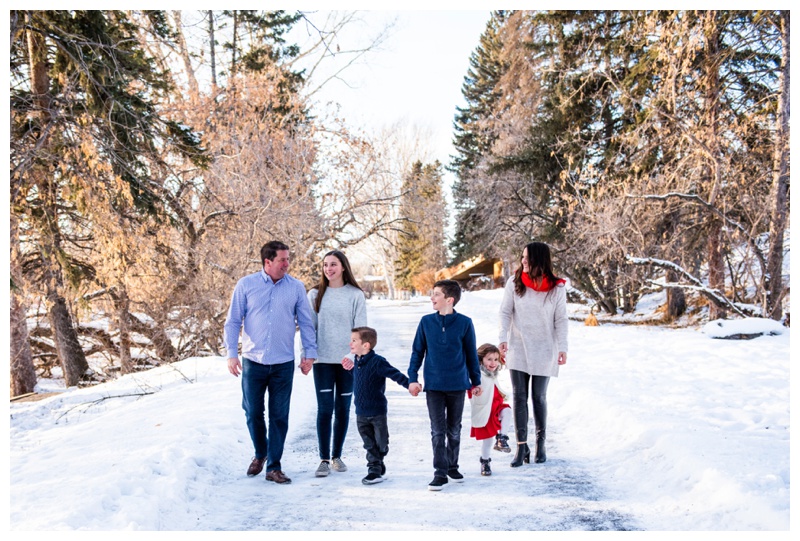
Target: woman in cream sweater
pixel 533 339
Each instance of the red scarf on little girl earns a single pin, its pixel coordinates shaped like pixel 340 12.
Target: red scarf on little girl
pixel 546 284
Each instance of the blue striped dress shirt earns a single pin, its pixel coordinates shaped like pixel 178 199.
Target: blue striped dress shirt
pixel 270 312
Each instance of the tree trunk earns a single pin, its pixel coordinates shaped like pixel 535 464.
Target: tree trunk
pixel 212 53
pixel 774 279
pixel 712 91
pixel 676 299
pixel 123 324
pixel 609 291
pixel 70 353
pixel 23 374
pixel 716 268
pixel 183 51
pixel 235 44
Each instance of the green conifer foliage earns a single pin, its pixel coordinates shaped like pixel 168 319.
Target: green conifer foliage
pixel 629 136
pixel 85 132
pixel 421 246
pixel 473 137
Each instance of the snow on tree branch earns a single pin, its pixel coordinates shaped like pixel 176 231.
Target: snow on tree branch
pixel 695 284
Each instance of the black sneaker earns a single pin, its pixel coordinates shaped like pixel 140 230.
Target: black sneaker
pixel 438 483
pixel 456 476
pixel 372 478
pixel 383 468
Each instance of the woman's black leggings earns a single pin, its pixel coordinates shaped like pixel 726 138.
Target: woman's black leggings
pixel 538 384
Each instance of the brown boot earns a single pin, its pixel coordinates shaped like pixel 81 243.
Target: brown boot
pixel 277 476
pixel 501 444
pixel 256 466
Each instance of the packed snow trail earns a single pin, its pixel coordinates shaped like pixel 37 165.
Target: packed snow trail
pixel 649 428
pixel 557 495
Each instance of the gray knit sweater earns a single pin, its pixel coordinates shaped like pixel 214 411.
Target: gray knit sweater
pixel 342 309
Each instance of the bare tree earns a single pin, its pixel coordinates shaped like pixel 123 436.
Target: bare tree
pixel 775 290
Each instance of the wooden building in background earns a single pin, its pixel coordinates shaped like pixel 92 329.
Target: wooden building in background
pixel 476 273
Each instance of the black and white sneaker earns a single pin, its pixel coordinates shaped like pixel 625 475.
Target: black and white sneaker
pixel 372 478
pixel 456 476
pixel 438 483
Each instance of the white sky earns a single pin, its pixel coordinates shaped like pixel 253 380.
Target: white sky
pixel 415 75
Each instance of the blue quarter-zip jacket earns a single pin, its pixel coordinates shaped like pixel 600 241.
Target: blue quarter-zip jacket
pixel 446 345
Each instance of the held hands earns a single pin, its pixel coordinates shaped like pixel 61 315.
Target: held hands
pixel 414 388
pixel 476 390
pixel 305 365
pixel 562 357
pixel 234 366
pixel 503 347
pixel 347 364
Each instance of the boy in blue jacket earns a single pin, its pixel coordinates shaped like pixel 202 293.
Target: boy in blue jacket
pixel 445 342
pixel 369 387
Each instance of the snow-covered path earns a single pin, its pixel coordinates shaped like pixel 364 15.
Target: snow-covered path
pixel 557 495
pixel 649 429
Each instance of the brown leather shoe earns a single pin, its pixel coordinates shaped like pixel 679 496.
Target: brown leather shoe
pixel 277 476
pixel 256 466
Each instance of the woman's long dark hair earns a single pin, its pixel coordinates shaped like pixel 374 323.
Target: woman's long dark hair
pixel 347 276
pixel 539 264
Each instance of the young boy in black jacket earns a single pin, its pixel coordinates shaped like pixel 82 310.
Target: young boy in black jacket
pixel 371 371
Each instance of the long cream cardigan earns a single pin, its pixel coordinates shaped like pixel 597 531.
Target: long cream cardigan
pixel 535 328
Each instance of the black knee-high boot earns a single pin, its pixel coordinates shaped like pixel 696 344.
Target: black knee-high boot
pixel 541 456
pixel 519 382
pixel 539 387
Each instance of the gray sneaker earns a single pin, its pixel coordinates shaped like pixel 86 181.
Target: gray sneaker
pixel 323 470
pixel 338 465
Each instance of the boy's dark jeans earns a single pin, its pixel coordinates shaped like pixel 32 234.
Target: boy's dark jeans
pixel 375 433
pixel 445 409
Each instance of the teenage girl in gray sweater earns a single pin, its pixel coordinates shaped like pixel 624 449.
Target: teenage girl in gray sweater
pixel 338 306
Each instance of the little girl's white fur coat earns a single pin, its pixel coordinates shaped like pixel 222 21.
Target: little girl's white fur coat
pixel 482 405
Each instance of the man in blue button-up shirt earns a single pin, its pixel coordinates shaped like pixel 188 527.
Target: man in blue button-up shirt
pixel 270 305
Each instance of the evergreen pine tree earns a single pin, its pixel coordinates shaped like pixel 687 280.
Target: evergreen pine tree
pixel 84 130
pixel 258 45
pixel 421 245
pixel 473 137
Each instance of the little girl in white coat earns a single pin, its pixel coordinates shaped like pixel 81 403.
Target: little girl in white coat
pixel 491 415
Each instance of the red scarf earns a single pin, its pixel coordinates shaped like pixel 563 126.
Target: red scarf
pixel 546 284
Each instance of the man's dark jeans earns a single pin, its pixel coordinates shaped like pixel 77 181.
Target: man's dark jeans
pixel 334 387
pixel 445 409
pixel 375 434
pixel 276 380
